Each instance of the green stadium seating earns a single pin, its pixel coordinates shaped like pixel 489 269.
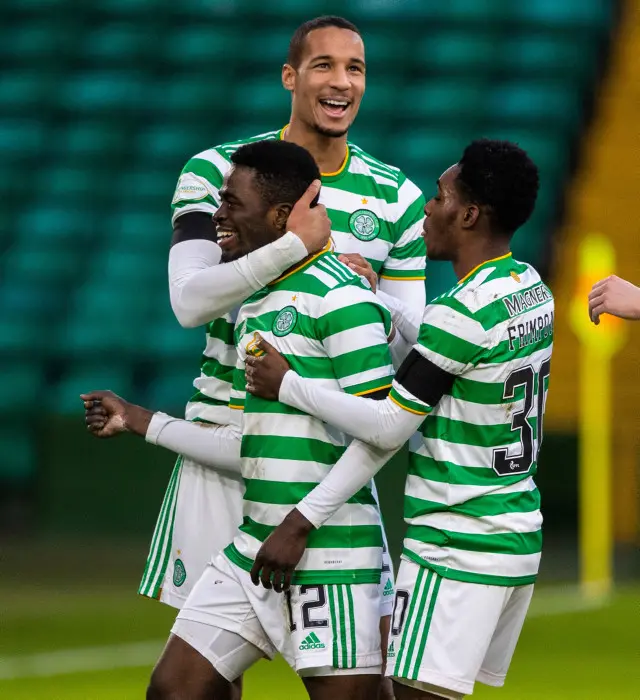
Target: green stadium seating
pixel 17 445
pixel 102 103
pixel 89 376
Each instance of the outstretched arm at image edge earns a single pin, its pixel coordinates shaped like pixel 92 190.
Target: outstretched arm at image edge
pixel 215 446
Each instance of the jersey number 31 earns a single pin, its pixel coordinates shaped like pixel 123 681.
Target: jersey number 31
pixel 533 383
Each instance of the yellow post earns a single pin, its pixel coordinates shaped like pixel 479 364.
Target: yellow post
pixel 598 345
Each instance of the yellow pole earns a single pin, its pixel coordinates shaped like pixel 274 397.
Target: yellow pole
pixel 598 345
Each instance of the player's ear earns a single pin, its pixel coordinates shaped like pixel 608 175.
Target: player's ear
pixel 279 215
pixel 288 77
pixel 470 215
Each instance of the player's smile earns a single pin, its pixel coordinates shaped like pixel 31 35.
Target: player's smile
pixel 335 107
pixel 227 239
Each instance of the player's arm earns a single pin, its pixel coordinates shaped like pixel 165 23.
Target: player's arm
pixel 402 277
pixel 614 296
pixel 449 344
pixel 215 446
pixel 200 288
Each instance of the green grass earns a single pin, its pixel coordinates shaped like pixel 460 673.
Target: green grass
pixel 586 655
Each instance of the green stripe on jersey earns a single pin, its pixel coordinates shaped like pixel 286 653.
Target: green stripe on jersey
pixel 473 470
pixel 337 337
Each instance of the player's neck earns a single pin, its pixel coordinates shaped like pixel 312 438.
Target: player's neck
pixel 471 258
pixel 329 152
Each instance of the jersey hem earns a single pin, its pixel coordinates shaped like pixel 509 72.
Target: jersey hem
pixel 346 576
pixel 468 576
pixel 404 279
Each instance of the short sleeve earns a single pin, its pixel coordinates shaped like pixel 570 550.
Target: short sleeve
pixel 353 329
pixel 199 183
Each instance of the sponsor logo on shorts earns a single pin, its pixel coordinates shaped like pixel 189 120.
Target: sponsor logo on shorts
pixel 285 321
pixel 388 588
pixel 311 641
pixel 179 573
pixel 364 224
pixel 391 651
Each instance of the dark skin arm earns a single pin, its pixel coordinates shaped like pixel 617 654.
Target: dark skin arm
pixel 108 415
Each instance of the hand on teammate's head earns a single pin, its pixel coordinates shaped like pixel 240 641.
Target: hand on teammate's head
pixel 309 221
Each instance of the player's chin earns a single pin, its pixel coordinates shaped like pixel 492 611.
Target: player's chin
pixel 232 253
pixel 334 128
pixel 436 253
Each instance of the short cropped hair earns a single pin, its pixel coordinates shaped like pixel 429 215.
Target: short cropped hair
pixel 298 40
pixel 501 176
pixel 283 170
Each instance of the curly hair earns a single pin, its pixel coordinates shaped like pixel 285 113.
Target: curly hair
pixel 283 170
pixel 501 176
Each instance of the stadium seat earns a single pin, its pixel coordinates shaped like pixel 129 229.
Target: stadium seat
pixel 203 45
pixel 458 52
pixel 18 449
pixel 97 91
pixel 84 377
pixel 115 43
pixel 20 387
pixel 172 388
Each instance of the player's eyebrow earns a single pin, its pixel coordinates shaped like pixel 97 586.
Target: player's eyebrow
pixel 326 57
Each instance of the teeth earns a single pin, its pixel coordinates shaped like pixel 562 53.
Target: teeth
pixel 335 103
pixel 225 234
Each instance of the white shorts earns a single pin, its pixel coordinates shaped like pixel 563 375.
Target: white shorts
pixel 387 589
pixel 318 629
pixel 446 634
pixel 200 514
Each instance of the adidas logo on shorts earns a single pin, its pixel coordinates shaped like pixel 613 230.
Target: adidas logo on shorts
pixel 311 641
pixel 388 588
pixel 391 651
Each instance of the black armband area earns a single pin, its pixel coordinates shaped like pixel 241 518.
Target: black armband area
pixel 379 395
pixel 423 379
pixel 193 226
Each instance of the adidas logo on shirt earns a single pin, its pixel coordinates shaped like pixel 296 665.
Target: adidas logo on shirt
pixel 311 641
pixel 388 588
pixel 391 651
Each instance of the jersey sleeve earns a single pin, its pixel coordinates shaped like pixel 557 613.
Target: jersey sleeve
pixel 407 257
pixel 451 341
pixel 353 329
pixel 199 183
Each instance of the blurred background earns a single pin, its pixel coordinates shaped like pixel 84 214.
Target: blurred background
pixel 101 104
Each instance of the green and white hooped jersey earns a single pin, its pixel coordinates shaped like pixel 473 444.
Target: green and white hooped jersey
pixel 333 330
pixel 471 504
pixel 374 209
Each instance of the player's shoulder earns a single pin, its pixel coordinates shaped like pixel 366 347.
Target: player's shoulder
pixel 220 155
pixel 331 279
pixel 496 289
pixel 382 173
